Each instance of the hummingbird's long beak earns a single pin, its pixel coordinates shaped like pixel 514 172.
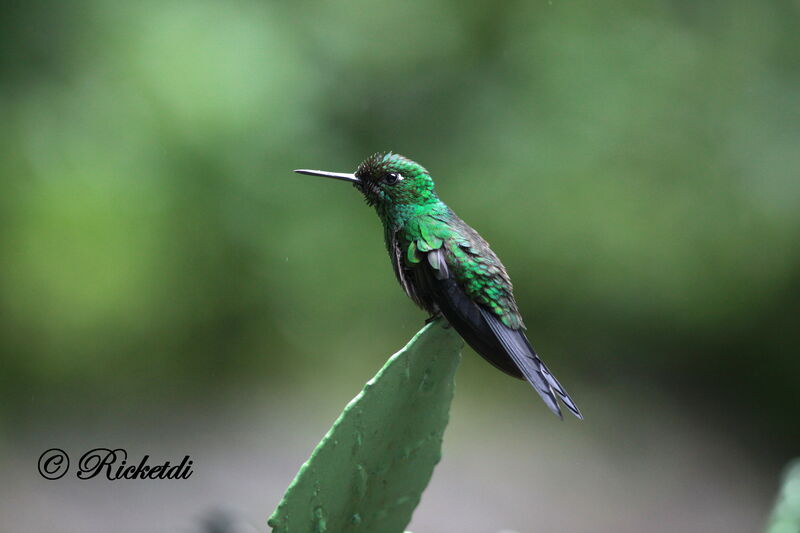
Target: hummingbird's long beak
pixel 335 175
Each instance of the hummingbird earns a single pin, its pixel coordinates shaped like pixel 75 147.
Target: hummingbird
pixel 449 270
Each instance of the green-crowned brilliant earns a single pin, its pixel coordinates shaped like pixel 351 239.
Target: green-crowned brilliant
pixel 447 269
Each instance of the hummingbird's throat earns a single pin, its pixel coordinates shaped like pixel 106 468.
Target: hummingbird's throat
pixel 373 194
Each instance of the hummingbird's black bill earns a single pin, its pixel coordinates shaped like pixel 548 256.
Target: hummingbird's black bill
pixel 335 175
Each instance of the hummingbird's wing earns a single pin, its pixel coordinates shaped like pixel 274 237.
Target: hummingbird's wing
pixel 472 290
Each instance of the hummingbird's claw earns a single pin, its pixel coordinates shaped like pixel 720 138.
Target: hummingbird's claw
pixel 434 317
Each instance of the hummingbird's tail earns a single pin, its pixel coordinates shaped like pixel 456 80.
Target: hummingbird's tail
pixel 507 349
pixel 524 356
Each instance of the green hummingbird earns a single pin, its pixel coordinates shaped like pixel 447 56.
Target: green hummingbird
pixel 447 269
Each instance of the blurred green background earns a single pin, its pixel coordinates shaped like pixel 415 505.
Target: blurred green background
pixel 634 164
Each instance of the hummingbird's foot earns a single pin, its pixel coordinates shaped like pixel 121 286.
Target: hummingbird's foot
pixel 436 316
pixel 433 317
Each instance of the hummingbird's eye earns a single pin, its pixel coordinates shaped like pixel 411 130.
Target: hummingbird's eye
pixel 392 178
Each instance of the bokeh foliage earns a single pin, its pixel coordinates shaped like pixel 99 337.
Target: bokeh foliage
pixel 634 164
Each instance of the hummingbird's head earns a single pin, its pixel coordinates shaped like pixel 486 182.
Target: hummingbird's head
pixel 388 181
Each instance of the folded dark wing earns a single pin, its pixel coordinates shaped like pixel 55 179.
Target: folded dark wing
pixel 463 314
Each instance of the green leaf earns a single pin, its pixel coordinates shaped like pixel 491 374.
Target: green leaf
pixel 368 472
pixel 786 514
